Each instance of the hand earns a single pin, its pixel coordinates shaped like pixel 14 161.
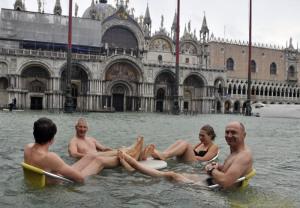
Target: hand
pixel 212 165
pixel 105 149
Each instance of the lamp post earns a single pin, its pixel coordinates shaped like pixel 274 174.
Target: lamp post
pixel 248 103
pixel 68 106
pixel 176 107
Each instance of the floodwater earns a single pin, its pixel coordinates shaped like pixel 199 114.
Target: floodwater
pixel 274 141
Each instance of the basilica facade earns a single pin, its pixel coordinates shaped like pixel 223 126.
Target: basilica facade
pixel 119 64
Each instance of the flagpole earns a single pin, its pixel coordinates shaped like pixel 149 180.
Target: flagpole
pixel 248 104
pixel 176 104
pixel 68 107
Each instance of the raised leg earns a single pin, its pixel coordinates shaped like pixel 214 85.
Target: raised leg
pixel 137 148
pixel 180 149
pixel 147 151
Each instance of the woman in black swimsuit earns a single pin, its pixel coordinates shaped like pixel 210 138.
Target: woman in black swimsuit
pixel 205 150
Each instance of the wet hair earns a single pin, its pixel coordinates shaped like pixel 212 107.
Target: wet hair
pixel 209 130
pixel 44 130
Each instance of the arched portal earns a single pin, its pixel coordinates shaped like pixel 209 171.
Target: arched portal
pixel 164 90
pixel 227 106
pixel 35 79
pixel 123 81
pixel 236 107
pixel 194 91
pixel 119 92
pixel 3 92
pixel 219 107
pixel 79 85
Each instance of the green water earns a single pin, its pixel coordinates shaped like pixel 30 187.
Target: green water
pixel 275 144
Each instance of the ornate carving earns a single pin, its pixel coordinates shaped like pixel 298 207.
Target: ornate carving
pixel 188 48
pixel 122 14
pixel 160 45
pixel 122 71
pixel 3 68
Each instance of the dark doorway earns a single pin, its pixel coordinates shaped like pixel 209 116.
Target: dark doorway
pixel 159 106
pixel 118 102
pixel 160 96
pixel 36 103
pixel 219 107
pixel 186 105
pixel 74 95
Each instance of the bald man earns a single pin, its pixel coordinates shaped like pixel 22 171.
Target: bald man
pixel 238 163
pixel 81 144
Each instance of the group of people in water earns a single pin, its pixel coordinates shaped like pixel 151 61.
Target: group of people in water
pixel 92 156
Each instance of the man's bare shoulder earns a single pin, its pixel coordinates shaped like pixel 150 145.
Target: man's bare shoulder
pixel 245 156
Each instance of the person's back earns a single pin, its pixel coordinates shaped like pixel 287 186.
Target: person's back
pixel 38 154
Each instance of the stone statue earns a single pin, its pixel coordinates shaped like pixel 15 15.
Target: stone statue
pixel 132 11
pixel 76 9
pixel 39 5
pixel 162 21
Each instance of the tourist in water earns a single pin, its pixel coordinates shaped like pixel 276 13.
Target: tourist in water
pixel 205 150
pixel 238 163
pixel 37 154
pixel 81 144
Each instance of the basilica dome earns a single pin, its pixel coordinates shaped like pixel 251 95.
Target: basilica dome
pixel 99 11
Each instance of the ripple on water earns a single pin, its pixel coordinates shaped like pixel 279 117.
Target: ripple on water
pixel 274 143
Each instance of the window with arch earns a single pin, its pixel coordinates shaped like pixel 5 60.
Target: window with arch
pixel 291 71
pixel 230 64
pixel 159 58
pixel 253 66
pixel 273 69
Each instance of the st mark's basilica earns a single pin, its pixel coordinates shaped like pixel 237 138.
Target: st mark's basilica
pixel 119 63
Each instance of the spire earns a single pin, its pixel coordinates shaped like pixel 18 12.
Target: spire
pixel 57 8
pixel 147 18
pixel 19 5
pixel 93 11
pixel 204 28
pixel 291 44
pixel 147 23
pixel 204 32
pixel 173 28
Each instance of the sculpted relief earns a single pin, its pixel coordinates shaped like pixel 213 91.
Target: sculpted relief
pixel 3 68
pixel 160 45
pixel 188 48
pixel 122 71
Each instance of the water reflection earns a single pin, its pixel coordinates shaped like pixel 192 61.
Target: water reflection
pixel 274 143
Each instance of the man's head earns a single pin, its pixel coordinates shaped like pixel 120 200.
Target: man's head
pixel 235 133
pixel 44 130
pixel 81 128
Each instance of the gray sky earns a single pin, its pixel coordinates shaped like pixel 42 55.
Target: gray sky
pixel 274 21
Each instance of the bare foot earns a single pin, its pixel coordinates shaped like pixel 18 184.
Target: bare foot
pixel 157 155
pixel 136 150
pixel 147 152
pixel 124 162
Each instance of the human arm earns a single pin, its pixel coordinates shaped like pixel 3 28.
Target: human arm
pixel 101 147
pixel 73 150
pixel 212 152
pixel 226 176
pixel 58 166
